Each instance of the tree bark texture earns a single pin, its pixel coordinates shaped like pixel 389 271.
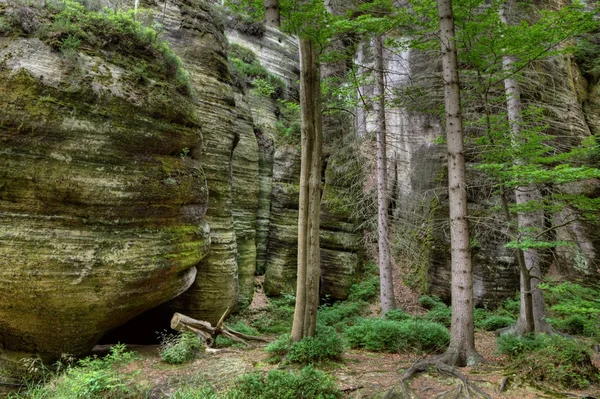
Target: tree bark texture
pixel 272 14
pixel 533 310
pixel 462 340
pixel 309 268
pixel 386 286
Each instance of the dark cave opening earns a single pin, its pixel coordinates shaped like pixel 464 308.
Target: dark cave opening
pixel 144 329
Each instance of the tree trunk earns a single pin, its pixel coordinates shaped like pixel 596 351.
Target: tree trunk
pixel 272 14
pixel 361 113
pixel 533 310
pixel 462 339
pixel 386 286
pixel 309 268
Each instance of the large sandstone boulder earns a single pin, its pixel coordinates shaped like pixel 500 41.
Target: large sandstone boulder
pixel 102 212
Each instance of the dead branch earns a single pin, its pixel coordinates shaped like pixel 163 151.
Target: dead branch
pixel 352 388
pixel 207 333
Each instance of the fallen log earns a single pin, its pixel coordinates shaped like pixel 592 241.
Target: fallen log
pixel 207 333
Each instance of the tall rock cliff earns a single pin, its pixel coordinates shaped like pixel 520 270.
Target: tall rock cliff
pixel 279 178
pixel 418 165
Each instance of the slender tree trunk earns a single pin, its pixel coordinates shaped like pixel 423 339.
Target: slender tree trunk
pixel 272 14
pixel 386 286
pixel 309 268
pixel 533 310
pixel 361 113
pixel 462 339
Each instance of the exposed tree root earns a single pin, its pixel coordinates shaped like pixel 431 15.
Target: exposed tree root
pixel 464 390
pixel 207 333
pixel 519 329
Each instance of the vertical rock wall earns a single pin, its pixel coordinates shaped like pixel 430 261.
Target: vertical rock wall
pixel 280 276
pixel 265 130
pixel 246 186
pixel 199 40
pixel 279 165
pixel 569 102
pixel 417 165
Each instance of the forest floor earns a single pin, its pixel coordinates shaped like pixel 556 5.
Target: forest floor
pixel 360 374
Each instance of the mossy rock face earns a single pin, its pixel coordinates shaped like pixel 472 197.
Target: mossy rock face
pixel 245 186
pixel 339 240
pixel 102 211
pixel 197 38
pixel 281 267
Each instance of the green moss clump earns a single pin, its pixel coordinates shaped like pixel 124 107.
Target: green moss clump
pixel 68 26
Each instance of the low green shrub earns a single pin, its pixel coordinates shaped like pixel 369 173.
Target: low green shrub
pixel 178 349
pixel 576 325
pixel 514 345
pixel 382 335
pixel 550 359
pixel 70 43
pixel 492 321
pixel 341 314
pixel 91 378
pixel 574 308
pixel 5 26
pixel 309 383
pixel 430 302
pixel 278 318
pixel 247 71
pixel 440 314
pixel 366 290
pixel 279 348
pixel 495 322
pixel 326 345
pixel 288 123
pixel 397 315
pixel 512 306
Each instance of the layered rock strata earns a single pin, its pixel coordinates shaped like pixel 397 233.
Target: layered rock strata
pixel 101 216
pixel 197 37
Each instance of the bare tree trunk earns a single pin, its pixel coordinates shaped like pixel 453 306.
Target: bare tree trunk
pixel 386 286
pixel 361 113
pixel 309 268
pixel 462 336
pixel 533 310
pixel 272 14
